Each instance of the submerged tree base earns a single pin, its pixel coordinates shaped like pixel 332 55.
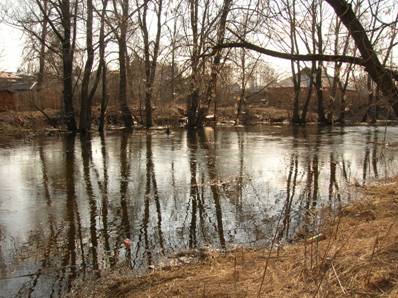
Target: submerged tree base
pixel 352 254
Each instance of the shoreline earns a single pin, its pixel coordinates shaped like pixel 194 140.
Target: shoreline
pixel 352 254
pixel 29 125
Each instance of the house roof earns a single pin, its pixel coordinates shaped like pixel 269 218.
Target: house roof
pixel 305 81
pixel 14 82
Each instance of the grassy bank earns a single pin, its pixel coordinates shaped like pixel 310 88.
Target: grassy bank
pixel 354 254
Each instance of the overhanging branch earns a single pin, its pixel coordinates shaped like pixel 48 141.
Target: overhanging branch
pixel 298 57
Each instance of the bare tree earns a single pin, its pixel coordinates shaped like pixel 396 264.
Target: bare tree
pixel 85 110
pixel 102 64
pixel 87 94
pixel 121 36
pixel 43 38
pixel 63 24
pixel 151 57
pixel 215 67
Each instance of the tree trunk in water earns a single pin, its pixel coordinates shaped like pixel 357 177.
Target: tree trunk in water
pixel 318 79
pixel 296 117
pixel 192 111
pixel 242 96
pixel 304 112
pixel 67 59
pixel 148 107
pixel 342 109
pixel 150 60
pixel 104 98
pixel 85 110
pixel 241 102
pixel 318 86
pixel 369 115
pixel 193 100
pixel 379 74
pixel 295 65
pixel 376 104
pixel 124 108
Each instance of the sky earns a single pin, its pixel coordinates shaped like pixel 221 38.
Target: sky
pixel 11 46
pixel 12 43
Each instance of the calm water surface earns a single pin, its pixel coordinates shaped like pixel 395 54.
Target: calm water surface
pixel 67 203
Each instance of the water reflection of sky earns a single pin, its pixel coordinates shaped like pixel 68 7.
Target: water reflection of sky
pixel 67 204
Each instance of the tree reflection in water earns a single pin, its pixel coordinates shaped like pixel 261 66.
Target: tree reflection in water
pixel 205 137
pixel 171 193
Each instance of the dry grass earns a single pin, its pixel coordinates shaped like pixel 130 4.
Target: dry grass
pixel 356 257
pixel 25 124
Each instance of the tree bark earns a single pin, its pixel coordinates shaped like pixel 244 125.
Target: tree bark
pixel 85 110
pixel 67 59
pixel 122 41
pixel 102 45
pixel 295 65
pixel 318 79
pixel 319 92
pixel 150 64
pixel 193 98
pixel 304 112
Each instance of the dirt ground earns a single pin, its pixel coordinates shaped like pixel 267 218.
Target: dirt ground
pixel 355 254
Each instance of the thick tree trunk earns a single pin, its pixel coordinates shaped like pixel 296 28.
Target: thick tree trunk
pixel 370 115
pixel 104 100
pixel 241 102
pixel 304 112
pixel 193 106
pixel 319 92
pixel 296 117
pixel 295 65
pixel 124 108
pixel 85 110
pixel 193 100
pixel 67 59
pixel 102 45
pixel 318 79
pixel 148 83
pixel 150 60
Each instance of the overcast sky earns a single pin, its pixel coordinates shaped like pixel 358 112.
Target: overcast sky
pixel 12 42
pixel 11 45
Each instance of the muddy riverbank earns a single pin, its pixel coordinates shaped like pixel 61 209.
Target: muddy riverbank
pixel 354 254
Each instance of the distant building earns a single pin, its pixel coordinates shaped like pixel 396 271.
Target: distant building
pixel 15 91
pixel 305 78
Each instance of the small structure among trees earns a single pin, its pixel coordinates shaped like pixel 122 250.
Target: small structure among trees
pixel 16 91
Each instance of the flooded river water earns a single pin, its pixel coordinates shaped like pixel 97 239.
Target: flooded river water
pixel 68 203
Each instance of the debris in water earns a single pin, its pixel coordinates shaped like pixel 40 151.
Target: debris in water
pixel 127 243
pixel 316 238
